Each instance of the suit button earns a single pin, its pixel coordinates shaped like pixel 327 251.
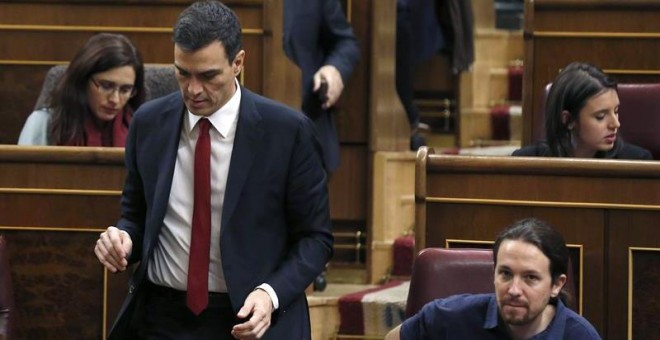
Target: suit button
pixel 131 289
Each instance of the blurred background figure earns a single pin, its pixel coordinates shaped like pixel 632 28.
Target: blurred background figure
pixel 319 39
pixel 93 102
pixel 418 38
pixel 425 28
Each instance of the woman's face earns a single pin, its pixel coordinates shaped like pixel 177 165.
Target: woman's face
pixel 596 128
pixel 109 91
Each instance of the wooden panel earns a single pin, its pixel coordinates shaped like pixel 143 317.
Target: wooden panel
pixel 604 207
pixel 392 208
pixel 634 275
pixel 644 303
pixel 619 37
pixel 59 286
pixel 52 208
pixel 51 167
pixel 353 106
pixel 116 13
pixel 18 98
pixel 348 193
pixel 389 128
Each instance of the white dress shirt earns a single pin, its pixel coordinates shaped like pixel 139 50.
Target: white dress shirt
pixel 169 264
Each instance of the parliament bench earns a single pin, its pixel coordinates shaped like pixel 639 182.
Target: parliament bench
pixel 607 211
pixel 55 202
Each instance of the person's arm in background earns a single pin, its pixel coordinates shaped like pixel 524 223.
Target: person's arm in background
pixel 342 51
pixel 35 130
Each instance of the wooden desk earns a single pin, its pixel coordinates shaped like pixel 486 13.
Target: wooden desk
pixel 54 201
pixel 608 212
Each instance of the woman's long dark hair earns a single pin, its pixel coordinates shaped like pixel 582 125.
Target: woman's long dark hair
pixel 570 91
pixel 69 102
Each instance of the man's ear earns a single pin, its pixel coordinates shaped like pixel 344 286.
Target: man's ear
pixel 566 120
pixel 237 64
pixel 558 285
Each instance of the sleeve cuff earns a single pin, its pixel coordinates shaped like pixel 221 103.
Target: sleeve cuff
pixel 271 292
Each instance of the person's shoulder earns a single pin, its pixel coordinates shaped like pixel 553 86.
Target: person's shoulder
pixel 456 309
pixel 39 115
pixel 577 327
pixel 634 152
pixel 462 302
pixel 150 110
pixel 534 150
pixel 35 130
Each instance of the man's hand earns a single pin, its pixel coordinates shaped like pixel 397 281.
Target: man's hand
pixel 258 307
pixel 112 249
pixel 335 84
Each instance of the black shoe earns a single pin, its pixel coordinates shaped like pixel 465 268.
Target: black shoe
pixel 417 141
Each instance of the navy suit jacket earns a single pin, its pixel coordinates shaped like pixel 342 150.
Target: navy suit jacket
pixel 316 33
pixel 275 224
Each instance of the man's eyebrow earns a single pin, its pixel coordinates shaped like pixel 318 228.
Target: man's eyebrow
pixel 180 69
pixel 211 72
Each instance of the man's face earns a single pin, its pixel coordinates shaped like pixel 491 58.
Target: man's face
pixel 523 285
pixel 206 77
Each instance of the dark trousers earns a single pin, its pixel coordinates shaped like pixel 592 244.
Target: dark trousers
pixel 405 65
pixel 168 317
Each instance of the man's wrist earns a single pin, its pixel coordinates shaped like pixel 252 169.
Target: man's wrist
pixel 271 292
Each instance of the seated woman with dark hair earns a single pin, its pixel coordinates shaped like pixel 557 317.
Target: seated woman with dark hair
pixel 582 118
pixel 93 102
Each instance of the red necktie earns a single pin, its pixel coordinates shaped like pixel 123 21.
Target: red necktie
pixel 200 244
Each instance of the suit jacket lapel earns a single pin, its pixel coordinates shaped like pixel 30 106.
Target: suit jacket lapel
pixel 169 133
pixel 249 131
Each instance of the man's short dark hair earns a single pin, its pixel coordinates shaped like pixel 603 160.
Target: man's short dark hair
pixel 204 22
pixel 545 238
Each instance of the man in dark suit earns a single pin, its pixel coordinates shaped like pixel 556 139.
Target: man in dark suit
pixel 319 39
pixel 269 218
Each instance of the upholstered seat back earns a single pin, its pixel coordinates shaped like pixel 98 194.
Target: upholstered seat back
pixel 639 114
pixel 440 272
pixel 159 80
pixel 7 308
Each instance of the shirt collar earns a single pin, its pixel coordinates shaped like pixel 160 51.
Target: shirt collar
pixel 222 119
pixel 492 314
pixel 555 329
